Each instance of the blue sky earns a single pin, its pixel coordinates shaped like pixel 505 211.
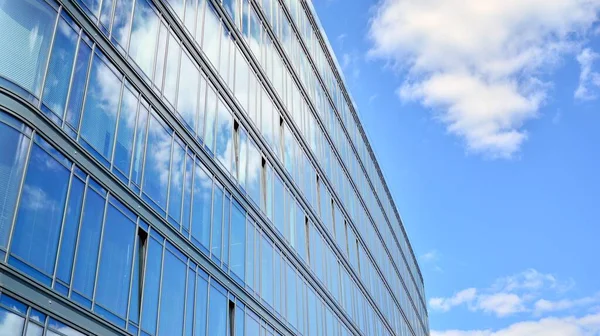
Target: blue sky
pixel 485 118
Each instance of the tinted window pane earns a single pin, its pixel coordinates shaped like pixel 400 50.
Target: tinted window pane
pixel 291 295
pixel 278 210
pixel 187 101
pixel 10 324
pixel 143 36
pixel 201 304
pixel 100 111
pixel 125 131
pixel 140 143
pixel 217 313
pixel 238 241
pixel 115 262
pixel 252 326
pixel 59 70
pixel 173 296
pixel 69 235
pixel 89 241
pixel 31 21
pixel 122 22
pixel 176 189
pixel 224 149
pixel 254 172
pixel 250 263
pixel 78 86
pixel 173 53
pixel 202 206
pixel 13 153
pixel 40 213
pixel 158 158
pixel 217 223
pixel 266 271
pixel 300 232
pixel 151 285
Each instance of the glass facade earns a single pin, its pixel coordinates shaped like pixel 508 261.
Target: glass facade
pixel 190 167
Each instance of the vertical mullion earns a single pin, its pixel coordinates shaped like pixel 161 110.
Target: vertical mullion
pixel 47 65
pixel 73 68
pixel 62 225
pixel 83 203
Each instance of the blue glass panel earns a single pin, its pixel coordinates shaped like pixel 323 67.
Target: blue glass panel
pixel 27 269
pixel 201 305
pixel 224 146
pixel 239 321
pixel 226 228
pixel 254 172
pixel 13 304
pixel 78 85
pixel 92 5
pixel 151 286
pixel 112 289
pixel 134 304
pixel 37 316
pixel 173 296
pixel 238 240
pixel 266 271
pixel 217 224
pixel 187 194
pixel 40 214
pixel 176 189
pixel 143 36
pixel 13 153
pixel 291 295
pixel 89 241
pixel 125 131
pixel 69 235
pixel 278 208
pixel 60 67
pixel 158 158
pixel 252 326
pixel 14 323
pixel 250 262
pixel 300 232
pixel 62 328
pixel 172 70
pixel 106 13
pixel 122 22
pixel 187 101
pixel 217 313
pixel 202 206
pixel 31 21
pixel 189 303
pixel 211 105
pixel 140 143
pixel 100 111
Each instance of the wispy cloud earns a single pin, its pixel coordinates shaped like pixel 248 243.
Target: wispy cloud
pixel 481 66
pixel 588 325
pixel 432 255
pixel 544 306
pixel 511 295
pixel 589 80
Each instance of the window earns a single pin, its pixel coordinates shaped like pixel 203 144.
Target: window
pixel 224 146
pixel 27 20
pixel 122 22
pixel 267 205
pixel 13 154
pixel 101 105
pixel 139 265
pixel 151 286
pixel 292 314
pixel 80 73
pixel 125 131
pixel 217 311
pixel 238 240
pixel 217 223
pixel 172 70
pixel 266 271
pixel 202 203
pixel 253 187
pixel 59 69
pixel 250 262
pixel 172 295
pixel 158 160
pixel 278 197
pixel 70 226
pixel 89 241
pixel 36 233
pixel 143 36
pixel 118 239
pixel 211 105
pixel 189 85
pixel 300 232
pixel 176 185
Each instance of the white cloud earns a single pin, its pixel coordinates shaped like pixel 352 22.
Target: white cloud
pixel 543 306
pixel 432 255
pixel 588 79
pixel 513 294
pixel 567 326
pixel 445 304
pixel 480 65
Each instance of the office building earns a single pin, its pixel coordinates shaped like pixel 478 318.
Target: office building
pixel 190 167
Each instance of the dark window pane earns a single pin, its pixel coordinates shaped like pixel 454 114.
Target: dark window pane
pixel 143 36
pixel 112 289
pixel 238 240
pixel 217 313
pixel 158 158
pixel 125 131
pixel 89 241
pixel 201 304
pixel 151 286
pixel 217 223
pixel 25 21
pixel 13 154
pixel 35 238
pixel 69 235
pixel 202 206
pixel 100 111
pixel 173 296
pixel 78 84
pixel 59 70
